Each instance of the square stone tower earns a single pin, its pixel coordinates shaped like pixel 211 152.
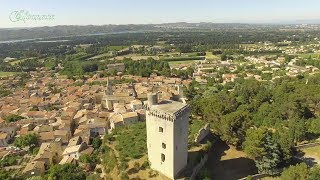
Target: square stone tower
pixel 167 135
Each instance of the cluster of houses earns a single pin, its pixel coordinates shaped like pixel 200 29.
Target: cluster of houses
pixel 66 116
pixel 272 65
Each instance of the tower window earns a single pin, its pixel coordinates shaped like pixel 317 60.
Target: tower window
pixel 163 157
pixel 160 129
pixel 164 146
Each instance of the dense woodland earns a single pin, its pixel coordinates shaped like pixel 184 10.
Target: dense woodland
pixel 185 41
pixel 265 119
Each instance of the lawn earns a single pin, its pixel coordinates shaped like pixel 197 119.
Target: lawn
pixel 5 74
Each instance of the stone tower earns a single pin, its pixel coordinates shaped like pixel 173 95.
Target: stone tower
pixel 167 135
pixel 108 90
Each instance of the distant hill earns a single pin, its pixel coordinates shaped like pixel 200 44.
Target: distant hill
pixel 59 31
pixel 8 34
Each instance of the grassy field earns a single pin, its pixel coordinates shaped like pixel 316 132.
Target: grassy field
pixel 136 57
pixel 5 74
pixel 130 141
pixel 307 55
pixel 127 153
pixel 210 56
pixel 18 61
pixel 100 56
pixel 183 62
pixel 312 152
pixel 116 48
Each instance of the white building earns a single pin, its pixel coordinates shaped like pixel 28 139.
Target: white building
pixel 167 135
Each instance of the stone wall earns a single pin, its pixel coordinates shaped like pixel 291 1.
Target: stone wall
pixel 198 167
pixel 202 133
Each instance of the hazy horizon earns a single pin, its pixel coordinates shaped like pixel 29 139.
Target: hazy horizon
pixel 98 12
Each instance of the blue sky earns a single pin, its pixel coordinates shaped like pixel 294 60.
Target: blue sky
pixel 84 12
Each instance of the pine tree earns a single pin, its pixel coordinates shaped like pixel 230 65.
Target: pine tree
pixel 269 162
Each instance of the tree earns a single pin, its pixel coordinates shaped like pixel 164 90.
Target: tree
pixel 65 172
pixel 93 177
pixel 253 145
pixel 29 140
pixel 124 176
pixel 314 126
pixel 314 173
pixel 286 143
pixel 297 172
pixel 297 129
pixel 4 92
pixel 260 146
pixel 233 127
pixel 5 174
pixel 13 118
pixel 287 58
pixel 96 143
pixel 224 57
pixel 89 159
pixel 269 162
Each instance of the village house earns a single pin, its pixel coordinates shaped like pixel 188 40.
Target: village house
pixel 136 105
pixel 117 120
pixel 84 132
pixel 45 137
pixel 63 135
pixel 43 128
pixel 34 168
pixel 77 150
pixel 26 129
pixel 49 153
pixel 9 129
pixel 75 141
pixel 228 78
pixel 97 127
pixel 129 118
pixel 68 160
pixel 119 67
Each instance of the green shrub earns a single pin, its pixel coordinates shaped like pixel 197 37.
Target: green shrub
pixel 145 165
pixel 13 118
pixel 124 176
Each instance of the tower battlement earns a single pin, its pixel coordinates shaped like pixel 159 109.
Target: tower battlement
pixel 167 135
pixel 166 115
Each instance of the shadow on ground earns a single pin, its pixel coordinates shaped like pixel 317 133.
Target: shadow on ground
pixel 229 169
